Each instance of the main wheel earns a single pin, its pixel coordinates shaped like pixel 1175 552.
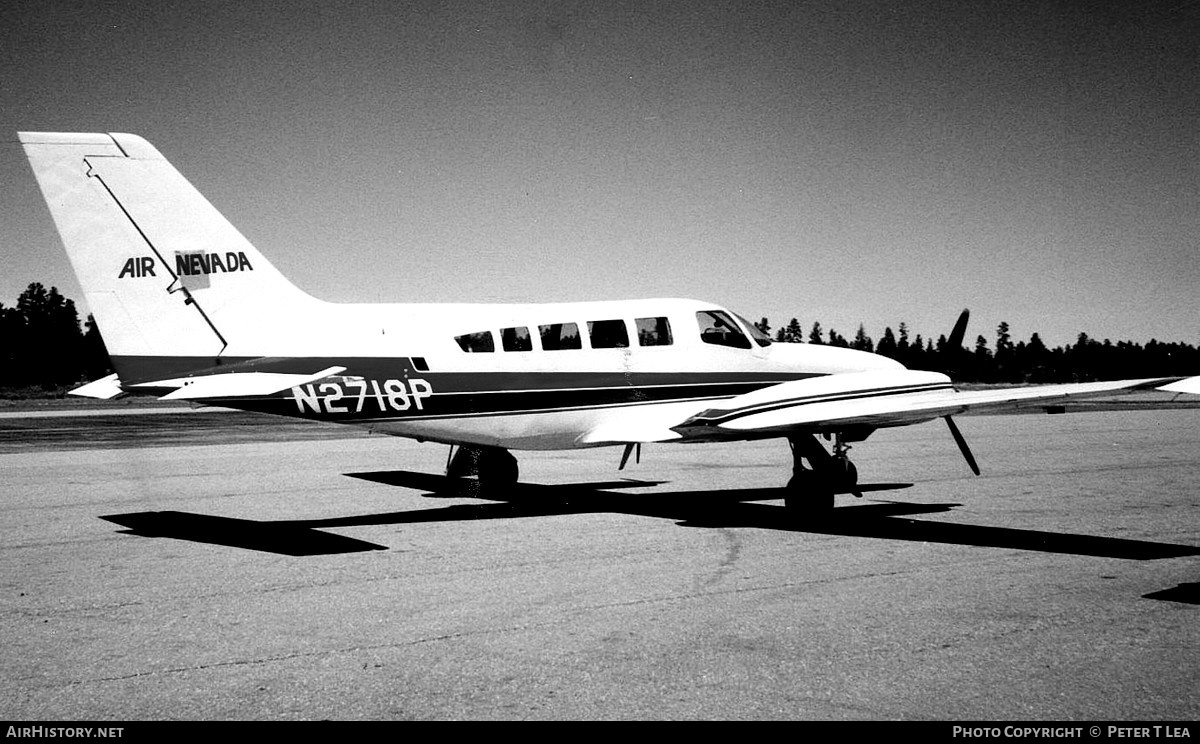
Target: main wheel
pixel 498 469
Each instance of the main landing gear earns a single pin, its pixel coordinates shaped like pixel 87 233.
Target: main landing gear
pixel 494 467
pixel 811 489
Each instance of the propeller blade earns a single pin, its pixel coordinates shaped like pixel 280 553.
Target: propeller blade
pixel 960 330
pixel 629 451
pixel 962 445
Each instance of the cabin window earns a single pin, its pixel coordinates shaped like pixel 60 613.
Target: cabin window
pixel 718 328
pixel 476 342
pixel 608 334
pixel 653 331
pixel 516 339
pixel 558 336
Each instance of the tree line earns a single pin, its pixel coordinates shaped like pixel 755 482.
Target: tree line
pixel 45 350
pixel 1009 361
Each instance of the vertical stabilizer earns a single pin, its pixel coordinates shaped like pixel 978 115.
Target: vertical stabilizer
pixel 165 275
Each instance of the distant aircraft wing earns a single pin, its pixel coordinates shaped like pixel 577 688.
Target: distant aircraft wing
pixel 881 399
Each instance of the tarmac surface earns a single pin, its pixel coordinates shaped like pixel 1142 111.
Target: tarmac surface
pixel 226 566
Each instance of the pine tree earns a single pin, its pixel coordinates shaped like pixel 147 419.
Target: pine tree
pixel 862 342
pixel 814 336
pixel 794 333
pixel 887 345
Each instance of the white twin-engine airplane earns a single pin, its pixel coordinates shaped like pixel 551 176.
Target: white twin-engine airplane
pixel 190 310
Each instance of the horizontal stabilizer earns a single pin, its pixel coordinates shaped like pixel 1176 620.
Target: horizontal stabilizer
pixel 106 388
pixel 242 384
pixel 1187 385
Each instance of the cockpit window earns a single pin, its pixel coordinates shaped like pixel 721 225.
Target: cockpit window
pixel 759 337
pixel 558 336
pixel 476 342
pixel 608 334
pixel 716 327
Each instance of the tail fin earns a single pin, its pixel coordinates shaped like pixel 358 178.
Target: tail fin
pixel 172 285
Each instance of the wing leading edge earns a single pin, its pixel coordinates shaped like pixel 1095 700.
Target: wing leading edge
pixel 881 399
pixel 858 400
pixel 896 399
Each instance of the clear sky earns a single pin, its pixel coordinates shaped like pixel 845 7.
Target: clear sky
pixel 847 162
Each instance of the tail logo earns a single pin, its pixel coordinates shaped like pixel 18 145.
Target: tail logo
pixel 137 267
pixel 193 264
pixel 188 264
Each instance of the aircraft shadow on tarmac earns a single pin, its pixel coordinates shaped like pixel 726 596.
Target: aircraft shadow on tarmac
pixel 1187 593
pixel 700 509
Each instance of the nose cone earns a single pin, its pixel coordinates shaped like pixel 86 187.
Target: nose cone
pixel 829 360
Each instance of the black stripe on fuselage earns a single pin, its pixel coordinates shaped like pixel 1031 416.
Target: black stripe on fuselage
pixel 505 402
pixel 541 393
pixel 360 394
pixel 135 371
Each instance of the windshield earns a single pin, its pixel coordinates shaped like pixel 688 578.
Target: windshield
pixel 759 337
pixel 717 328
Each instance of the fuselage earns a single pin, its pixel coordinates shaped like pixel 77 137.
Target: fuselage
pixel 521 376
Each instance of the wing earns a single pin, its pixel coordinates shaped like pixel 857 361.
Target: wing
pixel 866 400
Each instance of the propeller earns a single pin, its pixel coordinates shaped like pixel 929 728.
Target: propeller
pixel 954 345
pixel 629 450
pixel 962 445
pixel 950 355
pixel 954 342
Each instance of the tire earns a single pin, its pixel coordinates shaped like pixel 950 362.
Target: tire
pixel 498 469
